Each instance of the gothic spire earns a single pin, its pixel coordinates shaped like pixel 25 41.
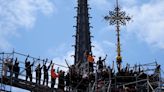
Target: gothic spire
pixel 83 38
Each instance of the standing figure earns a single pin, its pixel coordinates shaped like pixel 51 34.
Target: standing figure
pixel 38 74
pixel 28 69
pixel 5 67
pixel 16 68
pixel 10 66
pixel 100 63
pixel 45 69
pixel 61 84
pixel 53 77
pixel 90 59
pixel 67 79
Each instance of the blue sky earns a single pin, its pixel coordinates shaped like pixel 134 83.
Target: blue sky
pixel 45 27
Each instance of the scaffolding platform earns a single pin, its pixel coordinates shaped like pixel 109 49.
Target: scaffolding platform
pixel 30 86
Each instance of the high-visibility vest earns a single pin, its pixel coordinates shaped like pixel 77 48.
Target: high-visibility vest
pixel 90 59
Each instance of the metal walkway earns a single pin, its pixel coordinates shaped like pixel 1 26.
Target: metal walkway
pixel 33 87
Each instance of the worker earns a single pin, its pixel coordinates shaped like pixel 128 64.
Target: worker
pixel 157 70
pixel 72 76
pixel 16 68
pixel 67 80
pixel 61 84
pixel 90 59
pixel 38 74
pixel 28 69
pixel 53 76
pixel 100 63
pixel 5 67
pixel 45 69
pixel 10 66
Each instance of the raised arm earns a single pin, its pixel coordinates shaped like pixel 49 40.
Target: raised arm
pixel 113 65
pixel 43 62
pixel 41 67
pixel 67 63
pixel 12 59
pixel 46 61
pixel 33 63
pixel 26 59
pixel 16 60
pixel 52 66
pixel 49 65
pixel 105 58
pixel 58 70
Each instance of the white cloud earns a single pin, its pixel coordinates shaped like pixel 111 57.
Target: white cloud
pixel 60 60
pixel 98 50
pixel 4 43
pixel 15 14
pixel 148 22
pixel 110 44
pixel 60 53
pixel 102 49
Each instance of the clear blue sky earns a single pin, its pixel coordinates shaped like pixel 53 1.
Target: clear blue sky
pixel 45 27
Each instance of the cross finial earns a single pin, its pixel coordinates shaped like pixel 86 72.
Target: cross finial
pixel 117 17
pixel 117 3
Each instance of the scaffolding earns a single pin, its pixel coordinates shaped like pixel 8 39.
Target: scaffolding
pixel 7 79
pixel 143 81
pixel 139 78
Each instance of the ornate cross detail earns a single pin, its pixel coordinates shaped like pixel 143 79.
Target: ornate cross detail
pixel 117 17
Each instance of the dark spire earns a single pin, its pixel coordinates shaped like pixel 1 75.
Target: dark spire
pixel 83 38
